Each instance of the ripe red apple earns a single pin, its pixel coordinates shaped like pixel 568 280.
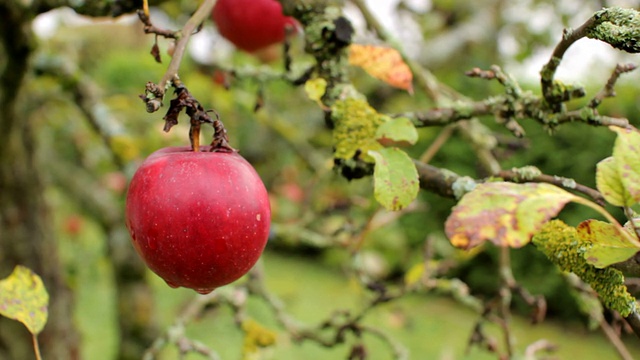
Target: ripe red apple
pixel 251 25
pixel 198 219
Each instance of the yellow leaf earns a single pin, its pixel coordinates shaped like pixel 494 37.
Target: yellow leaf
pixel 382 63
pixel 315 89
pixel 24 298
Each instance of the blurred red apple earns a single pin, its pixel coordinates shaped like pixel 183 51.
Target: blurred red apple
pixel 251 25
pixel 73 224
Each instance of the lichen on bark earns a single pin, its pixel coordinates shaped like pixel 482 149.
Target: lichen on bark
pixel 562 245
pixel 618 27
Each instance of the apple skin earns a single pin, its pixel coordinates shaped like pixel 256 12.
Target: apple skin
pixel 199 220
pixel 251 25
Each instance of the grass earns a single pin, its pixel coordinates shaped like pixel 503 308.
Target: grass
pixel 429 327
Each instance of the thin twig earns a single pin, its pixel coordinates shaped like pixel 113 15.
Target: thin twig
pixel 506 296
pixel 539 346
pixel 149 28
pixel 608 90
pixel 332 331
pixel 436 144
pixel 203 12
pixel 182 40
pixel 175 334
pixel 614 339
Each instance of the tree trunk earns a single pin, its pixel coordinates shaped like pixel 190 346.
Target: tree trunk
pixel 26 235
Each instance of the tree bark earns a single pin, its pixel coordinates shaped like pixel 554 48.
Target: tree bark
pixel 25 228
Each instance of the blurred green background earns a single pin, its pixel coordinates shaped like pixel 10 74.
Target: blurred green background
pixel 86 165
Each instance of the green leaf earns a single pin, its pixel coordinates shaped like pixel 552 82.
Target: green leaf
pixel 610 185
pixel 626 152
pixel 397 132
pixel 24 298
pixel 609 245
pixel 395 178
pixel 504 213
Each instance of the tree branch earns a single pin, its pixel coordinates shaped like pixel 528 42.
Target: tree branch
pixel 182 40
pixel 547 74
pixel 523 175
pixel 608 90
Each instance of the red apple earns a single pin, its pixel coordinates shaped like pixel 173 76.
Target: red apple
pixel 251 24
pixel 198 219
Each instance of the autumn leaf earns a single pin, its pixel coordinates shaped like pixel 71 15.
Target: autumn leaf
pixel 24 298
pixel 504 213
pixel 383 63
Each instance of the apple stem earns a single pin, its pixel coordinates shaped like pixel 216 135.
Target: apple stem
pixel 194 135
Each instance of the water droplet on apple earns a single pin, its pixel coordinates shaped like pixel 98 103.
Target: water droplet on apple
pixel 204 291
pixel 171 285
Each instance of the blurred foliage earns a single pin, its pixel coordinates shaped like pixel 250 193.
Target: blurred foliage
pixel 316 212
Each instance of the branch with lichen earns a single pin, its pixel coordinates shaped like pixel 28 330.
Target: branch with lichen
pixel 532 174
pixel 516 105
pixel 618 27
pixel 448 184
pixel 561 244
